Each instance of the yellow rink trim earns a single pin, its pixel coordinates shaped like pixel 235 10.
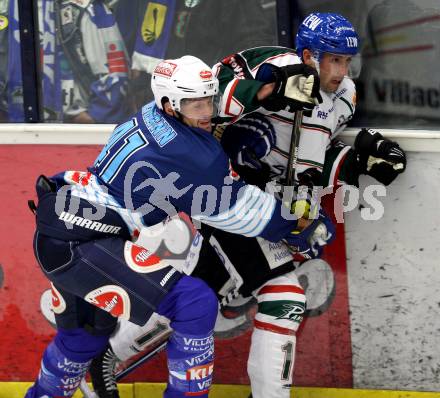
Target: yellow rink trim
pixel 154 390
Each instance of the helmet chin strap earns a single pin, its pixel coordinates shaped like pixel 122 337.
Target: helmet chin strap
pixel 179 117
pixel 316 58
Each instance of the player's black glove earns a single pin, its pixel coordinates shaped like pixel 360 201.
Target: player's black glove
pixel 296 88
pixel 379 157
pixel 304 203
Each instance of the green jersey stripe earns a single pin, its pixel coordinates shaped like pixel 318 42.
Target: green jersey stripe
pixel 348 104
pixel 316 127
pixel 281 308
pixel 310 162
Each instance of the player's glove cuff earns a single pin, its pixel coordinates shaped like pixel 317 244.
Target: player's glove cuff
pixel 311 240
pixel 306 198
pixel 249 141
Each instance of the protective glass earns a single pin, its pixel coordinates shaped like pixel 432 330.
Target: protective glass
pixel 351 63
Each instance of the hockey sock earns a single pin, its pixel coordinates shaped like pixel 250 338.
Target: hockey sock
pixel 270 364
pixel 192 308
pixel 281 307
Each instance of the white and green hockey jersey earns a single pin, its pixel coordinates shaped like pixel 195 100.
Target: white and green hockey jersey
pixel 319 129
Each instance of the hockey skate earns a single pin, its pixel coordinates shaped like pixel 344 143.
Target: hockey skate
pixel 102 372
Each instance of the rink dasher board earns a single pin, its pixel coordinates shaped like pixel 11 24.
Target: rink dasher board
pixel 97 134
pixel 155 390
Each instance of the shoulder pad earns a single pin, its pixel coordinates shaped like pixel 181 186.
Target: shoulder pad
pixel 279 56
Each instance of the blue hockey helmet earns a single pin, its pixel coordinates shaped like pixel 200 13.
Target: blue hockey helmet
pixel 327 32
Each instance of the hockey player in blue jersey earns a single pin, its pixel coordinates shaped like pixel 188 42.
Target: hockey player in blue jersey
pixel 161 161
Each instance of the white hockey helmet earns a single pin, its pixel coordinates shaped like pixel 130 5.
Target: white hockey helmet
pixel 183 78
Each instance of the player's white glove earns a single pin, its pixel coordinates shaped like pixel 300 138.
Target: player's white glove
pixel 300 88
pixel 296 88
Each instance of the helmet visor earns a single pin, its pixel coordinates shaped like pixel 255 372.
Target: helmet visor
pixel 202 108
pixel 349 65
pixel 355 67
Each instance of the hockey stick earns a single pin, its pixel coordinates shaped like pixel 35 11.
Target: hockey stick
pixel 293 150
pixel 150 354
pixel 141 360
pixel 86 391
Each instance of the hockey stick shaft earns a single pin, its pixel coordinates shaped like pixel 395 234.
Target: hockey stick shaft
pixel 141 360
pixel 293 150
pixel 86 391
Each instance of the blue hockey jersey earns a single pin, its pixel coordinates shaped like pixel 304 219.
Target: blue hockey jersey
pixel 153 166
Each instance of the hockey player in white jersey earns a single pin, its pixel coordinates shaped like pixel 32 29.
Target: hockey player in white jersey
pixel 329 43
pixel 258 145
